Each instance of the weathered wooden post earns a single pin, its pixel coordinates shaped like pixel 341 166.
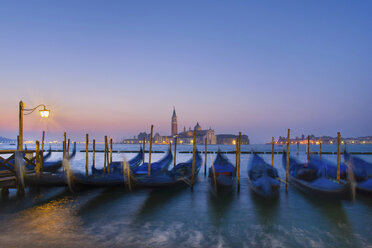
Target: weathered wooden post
pixel 37 158
pixel 94 153
pixel 20 139
pixel 68 146
pixel 308 150
pixel 110 150
pixel 86 153
pixel 214 176
pixel 64 149
pixel 105 159
pixel 320 148
pixel 239 153
pixel 236 154
pixel 297 148
pixel 193 158
pixel 64 144
pixel 107 155
pixel 287 167
pixel 272 151
pixel 42 141
pixel 42 152
pixel 149 165
pixel 18 142
pixel 205 157
pixel 345 146
pixel 175 151
pixel 338 155
pixel 143 149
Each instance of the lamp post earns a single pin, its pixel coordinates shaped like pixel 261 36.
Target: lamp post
pixel 44 113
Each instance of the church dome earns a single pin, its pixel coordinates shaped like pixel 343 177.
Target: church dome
pixel 197 127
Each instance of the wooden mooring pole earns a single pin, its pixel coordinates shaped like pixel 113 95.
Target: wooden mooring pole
pixel 105 160
pixel 86 154
pixel 308 150
pixel 107 155
pixel 338 155
pixel 272 151
pixel 297 148
pixel 193 159
pixel 64 144
pixel 37 158
pixel 320 148
pixel 94 153
pixel 287 165
pixel 110 150
pixel 175 151
pixel 149 165
pixel 143 149
pixel 239 153
pixel 205 157
pixel 42 141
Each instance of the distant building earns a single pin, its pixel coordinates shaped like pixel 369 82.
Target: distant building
pixel 174 130
pixel 186 137
pixel 230 139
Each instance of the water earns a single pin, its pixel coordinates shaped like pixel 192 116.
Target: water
pixel 181 217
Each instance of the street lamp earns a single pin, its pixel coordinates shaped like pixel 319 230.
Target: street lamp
pixel 44 113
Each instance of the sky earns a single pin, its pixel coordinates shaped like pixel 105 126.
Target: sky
pixel 116 67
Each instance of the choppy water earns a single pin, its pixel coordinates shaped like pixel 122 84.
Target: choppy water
pixel 181 217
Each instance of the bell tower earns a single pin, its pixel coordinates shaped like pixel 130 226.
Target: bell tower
pixel 174 131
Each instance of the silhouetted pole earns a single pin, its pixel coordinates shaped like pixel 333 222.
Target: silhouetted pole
pixel 297 148
pixel 149 165
pixel 68 147
pixel 240 143
pixel 37 158
pixel 287 166
pixel 175 150
pixel 193 159
pixel 272 152
pixel 64 144
pixel 86 154
pixel 236 154
pixel 110 150
pixel 107 155
pixel 308 150
pixel 338 155
pixel 205 157
pixel 320 148
pixel 42 141
pixel 143 149
pixel 20 140
pixel 94 153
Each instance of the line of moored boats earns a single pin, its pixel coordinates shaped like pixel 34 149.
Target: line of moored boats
pixel 317 177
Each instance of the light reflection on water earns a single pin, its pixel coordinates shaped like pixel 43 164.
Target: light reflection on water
pixel 174 217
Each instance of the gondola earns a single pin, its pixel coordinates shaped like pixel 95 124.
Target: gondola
pixel 180 175
pixel 362 171
pixel 117 166
pixel 50 176
pixel 224 172
pixel 359 169
pixel 312 180
pixel 54 166
pixel 263 178
pixel 47 166
pixel 118 179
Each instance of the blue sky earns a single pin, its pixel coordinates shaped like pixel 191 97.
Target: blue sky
pixel 116 67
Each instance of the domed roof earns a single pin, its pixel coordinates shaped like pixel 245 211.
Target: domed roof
pixel 197 127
